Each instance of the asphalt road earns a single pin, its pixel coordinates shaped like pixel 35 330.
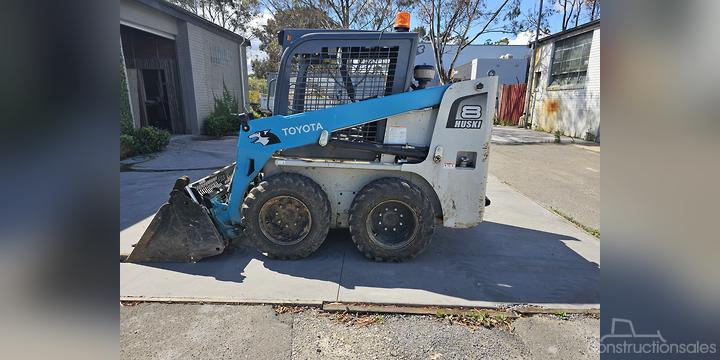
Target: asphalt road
pixel 565 177
pixel 176 331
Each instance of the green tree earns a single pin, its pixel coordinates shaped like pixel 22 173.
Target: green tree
pixel 571 11
pixel 296 17
pixel 350 14
pixel 230 14
pixel 256 86
pixel 423 33
pixel 449 26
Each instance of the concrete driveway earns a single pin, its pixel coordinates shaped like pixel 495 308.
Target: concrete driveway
pixel 522 253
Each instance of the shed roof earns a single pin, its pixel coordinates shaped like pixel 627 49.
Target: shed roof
pixel 576 30
pixel 182 14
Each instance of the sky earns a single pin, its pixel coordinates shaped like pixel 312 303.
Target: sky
pixel 515 39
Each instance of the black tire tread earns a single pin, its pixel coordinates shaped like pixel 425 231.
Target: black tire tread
pixel 392 187
pixel 308 189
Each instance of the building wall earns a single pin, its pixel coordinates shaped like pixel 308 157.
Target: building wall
pixel 574 111
pixel 509 71
pixel 485 54
pixel 425 53
pixel 148 19
pixel 132 77
pixel 214 59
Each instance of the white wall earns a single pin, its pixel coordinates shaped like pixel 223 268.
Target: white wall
pixel 214 59
pixel 574 111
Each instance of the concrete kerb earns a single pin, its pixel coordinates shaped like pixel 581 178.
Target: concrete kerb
pixel 504 135
pixel 508 310
pixel 216 301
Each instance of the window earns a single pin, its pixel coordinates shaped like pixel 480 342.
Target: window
pixel 220 56
pixel 570 60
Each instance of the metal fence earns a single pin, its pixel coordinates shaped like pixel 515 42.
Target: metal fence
pixel 511 103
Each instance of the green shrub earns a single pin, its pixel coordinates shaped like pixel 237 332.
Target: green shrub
pixel 557 136
pixel 589 136
pixel 215 126
pixel 142 141
pixel 151 139
pixel 232 123
pixel 502 122
pixel 128 145
pixel 127 128
pixel 220 122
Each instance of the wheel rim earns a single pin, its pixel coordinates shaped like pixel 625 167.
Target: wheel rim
pixel 285 220
pixel 392 224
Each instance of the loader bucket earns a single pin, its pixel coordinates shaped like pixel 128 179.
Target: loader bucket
pixel 181 231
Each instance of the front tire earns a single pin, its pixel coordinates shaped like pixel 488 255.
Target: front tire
pixel 391 219
pixel 286 216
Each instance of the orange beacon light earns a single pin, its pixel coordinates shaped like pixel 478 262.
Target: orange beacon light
pixel 402 21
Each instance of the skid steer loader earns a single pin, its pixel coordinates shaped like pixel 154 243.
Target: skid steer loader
pixel 353 143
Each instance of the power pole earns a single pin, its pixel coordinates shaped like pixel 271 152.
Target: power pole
pixel 531 69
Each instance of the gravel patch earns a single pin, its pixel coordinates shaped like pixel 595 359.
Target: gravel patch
pixel 180 331
pixel 398 336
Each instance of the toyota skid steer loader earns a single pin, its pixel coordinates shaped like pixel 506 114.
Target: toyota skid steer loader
pixel 353 143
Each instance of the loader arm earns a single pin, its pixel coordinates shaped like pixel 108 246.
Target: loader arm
pixel 269 135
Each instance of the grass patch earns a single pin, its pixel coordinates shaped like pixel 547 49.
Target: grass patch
pixel 503 122
pixel 288 309
pixel 475 319
pixel 357 319
pixel 592 231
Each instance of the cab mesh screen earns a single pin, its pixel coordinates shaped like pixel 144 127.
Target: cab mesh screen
pixel 341 75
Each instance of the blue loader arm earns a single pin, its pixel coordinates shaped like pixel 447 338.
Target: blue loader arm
pixel 269 135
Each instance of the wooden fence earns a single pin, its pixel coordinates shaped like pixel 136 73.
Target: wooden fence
pixel 511 103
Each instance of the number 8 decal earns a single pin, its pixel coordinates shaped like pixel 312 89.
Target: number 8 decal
pixel 471 112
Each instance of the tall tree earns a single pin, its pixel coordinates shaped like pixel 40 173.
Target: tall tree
pixel 230 14
pixel 528 18
pixel 350 14
pixel 594 8
pixel 572 10
pixel 450 27
pixel 566 8
pixel 295 17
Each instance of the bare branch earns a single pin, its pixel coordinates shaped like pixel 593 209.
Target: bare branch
pixel 497 12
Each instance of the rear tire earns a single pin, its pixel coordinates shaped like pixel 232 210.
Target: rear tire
pixel 286 216
pixel 391 219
